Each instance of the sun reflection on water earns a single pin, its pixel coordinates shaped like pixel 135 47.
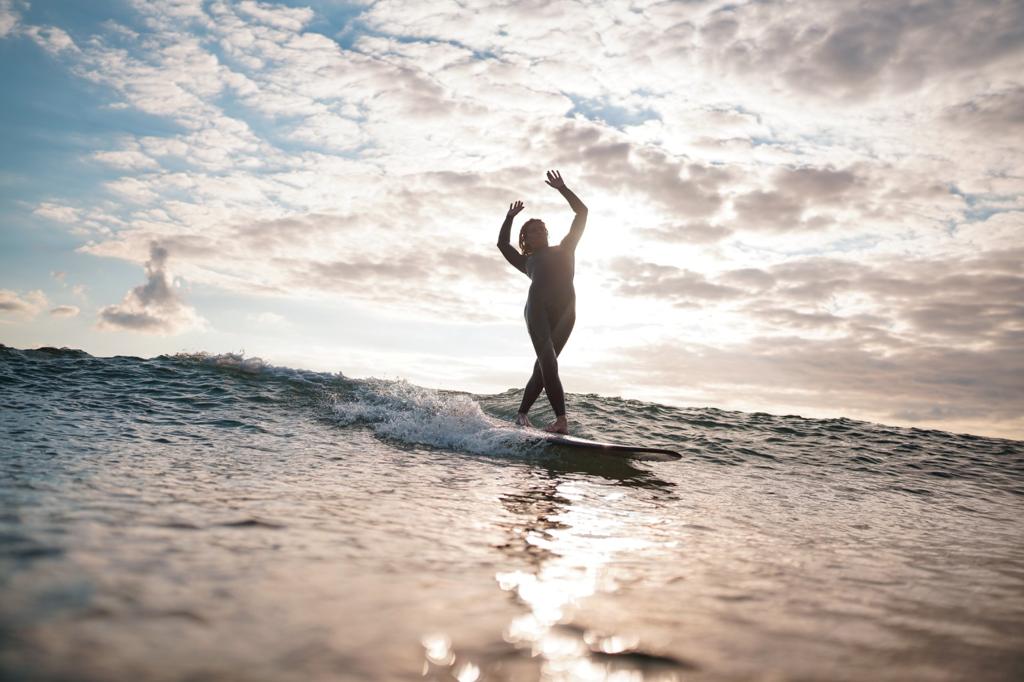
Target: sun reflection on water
pixel 572 540
pixel 578 541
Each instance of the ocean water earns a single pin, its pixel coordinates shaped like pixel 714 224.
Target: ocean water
pixel 213 518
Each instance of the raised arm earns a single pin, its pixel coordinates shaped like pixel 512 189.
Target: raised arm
pixel 513 256
pixel 577 206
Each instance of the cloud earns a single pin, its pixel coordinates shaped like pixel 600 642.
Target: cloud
pixel 62 214
pixel 9 18
pixel 697 232
pixel 816 184
pixel 669 283
pixel 792 319
pixel 772 211
pixel 292 19
pixel 52 39
pixel 28 304
pixel 801 198
pixel 64 311
pixel 833 49
pixel 153 307
pixel 999 112
pixel 332 273
pixel 839 377
pixel 133 189
pixel 127 159
pixel 969 307
pixel 278 235
pixel 752 279
pixel 269 319
pixel 611 164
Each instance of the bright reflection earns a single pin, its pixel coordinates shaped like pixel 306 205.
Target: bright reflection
pixel 581 540
pixel 611 645
pixel 467 672
pixel 438 649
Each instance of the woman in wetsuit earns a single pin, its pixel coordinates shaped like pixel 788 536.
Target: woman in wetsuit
pixel 551 305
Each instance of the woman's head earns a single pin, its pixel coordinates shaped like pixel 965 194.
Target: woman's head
pixel 532 236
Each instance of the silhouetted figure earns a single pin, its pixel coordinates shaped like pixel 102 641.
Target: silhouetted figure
pixel 551 305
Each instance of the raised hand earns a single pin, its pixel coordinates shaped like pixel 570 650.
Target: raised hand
pixel 555 179
pixel 514 208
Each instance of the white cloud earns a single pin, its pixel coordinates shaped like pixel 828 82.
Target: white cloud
pixel 153 307
pixel 127 159
pixel 329 131
pixel 137 190
pixel 9 18
pixel 52 39
pixel 52 211
pixel 292 19
pixel 25 305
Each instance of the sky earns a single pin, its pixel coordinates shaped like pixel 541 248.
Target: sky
pixel 811 208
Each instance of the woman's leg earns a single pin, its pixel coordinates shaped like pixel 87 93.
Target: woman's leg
pixel 533 388
pixel 558 335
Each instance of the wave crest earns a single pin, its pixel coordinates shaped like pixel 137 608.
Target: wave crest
pixel 413 414
pixel 252 365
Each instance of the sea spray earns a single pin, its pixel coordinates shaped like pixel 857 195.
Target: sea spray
pixel 413 414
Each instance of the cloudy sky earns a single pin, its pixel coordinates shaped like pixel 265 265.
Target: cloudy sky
pixel 809 208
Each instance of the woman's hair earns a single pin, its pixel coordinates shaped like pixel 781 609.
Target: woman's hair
pixel 522 234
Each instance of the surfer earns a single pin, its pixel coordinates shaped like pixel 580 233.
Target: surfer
pixel 551 304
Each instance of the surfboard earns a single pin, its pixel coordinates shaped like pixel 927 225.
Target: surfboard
pixel 614 449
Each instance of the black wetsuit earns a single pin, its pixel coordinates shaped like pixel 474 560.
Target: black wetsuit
pixel 550 309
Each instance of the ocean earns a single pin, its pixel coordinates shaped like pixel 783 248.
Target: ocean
pixel 198 517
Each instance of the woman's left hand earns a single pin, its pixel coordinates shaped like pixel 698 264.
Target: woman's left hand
pixel 555 179
pixel 514 208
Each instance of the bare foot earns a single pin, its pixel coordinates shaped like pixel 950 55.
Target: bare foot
pixel 523 420
pixel 560 425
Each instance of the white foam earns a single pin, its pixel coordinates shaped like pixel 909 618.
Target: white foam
pixel 237 361
pixel 413 414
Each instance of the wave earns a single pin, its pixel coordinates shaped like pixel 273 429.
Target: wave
pixel 394 409
pixel 402 412
pixel 413 414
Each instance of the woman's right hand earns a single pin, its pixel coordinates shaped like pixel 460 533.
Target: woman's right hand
pixel 514 208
